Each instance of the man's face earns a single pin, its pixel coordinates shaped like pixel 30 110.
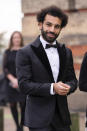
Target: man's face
pixel 50 28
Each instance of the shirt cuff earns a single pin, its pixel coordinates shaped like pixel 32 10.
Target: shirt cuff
pixel 51 90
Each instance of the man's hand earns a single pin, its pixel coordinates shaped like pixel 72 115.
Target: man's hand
pixel 61 88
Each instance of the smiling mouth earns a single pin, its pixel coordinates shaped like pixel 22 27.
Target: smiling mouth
pixel 51 35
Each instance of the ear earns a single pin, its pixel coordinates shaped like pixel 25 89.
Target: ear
pixel 40 25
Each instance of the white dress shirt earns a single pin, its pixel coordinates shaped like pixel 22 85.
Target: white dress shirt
pixel 53 57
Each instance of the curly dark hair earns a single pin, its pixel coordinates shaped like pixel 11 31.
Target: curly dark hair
pixel 54 11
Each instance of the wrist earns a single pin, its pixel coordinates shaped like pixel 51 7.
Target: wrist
pixel 54 87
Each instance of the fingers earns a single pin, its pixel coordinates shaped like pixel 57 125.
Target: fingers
pixel 64 85
pixel 63 92
pixel 61 88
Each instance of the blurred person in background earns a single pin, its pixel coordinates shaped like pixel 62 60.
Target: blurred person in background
pixel 83 79
pixel 14 95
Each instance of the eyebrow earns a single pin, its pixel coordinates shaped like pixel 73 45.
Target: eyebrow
pixel 53 24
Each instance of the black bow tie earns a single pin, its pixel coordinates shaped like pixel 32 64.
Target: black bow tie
pixel 49 46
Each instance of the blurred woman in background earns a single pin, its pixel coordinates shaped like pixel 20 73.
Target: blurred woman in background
pixel 9 66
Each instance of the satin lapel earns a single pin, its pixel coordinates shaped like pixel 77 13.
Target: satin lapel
pixel 40 52
pixel 62 57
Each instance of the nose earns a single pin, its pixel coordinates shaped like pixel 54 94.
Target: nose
pixel 52 29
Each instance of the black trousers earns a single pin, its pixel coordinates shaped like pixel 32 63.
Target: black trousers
pixel 50 128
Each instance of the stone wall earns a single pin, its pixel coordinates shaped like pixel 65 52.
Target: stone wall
pixel 29 6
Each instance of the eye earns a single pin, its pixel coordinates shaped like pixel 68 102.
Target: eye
pixel 57 26
pixel 48 24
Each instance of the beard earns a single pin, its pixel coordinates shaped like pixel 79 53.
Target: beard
pixel 50 37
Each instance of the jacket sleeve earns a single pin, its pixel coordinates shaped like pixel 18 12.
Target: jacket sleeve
pixel 5 63
pixel 70 77
pixel 24 75
pixel 83 74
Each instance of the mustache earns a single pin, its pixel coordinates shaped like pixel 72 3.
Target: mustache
pixel 51 33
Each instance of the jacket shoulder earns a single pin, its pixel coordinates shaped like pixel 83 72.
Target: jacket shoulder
pixel 25 51
pixel 84 61
pixel 26 48
pixel 85 55
pixel 67 51
pixel 7 51
pixel 63 46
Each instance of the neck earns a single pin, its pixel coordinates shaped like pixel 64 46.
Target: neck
pixel 15 48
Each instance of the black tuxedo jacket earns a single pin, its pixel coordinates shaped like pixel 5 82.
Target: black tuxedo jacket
pixel 35 77
pixel 83 74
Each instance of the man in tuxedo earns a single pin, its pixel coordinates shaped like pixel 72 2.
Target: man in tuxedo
pixel 46 75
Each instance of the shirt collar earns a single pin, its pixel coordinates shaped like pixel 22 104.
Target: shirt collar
pixel 44 42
